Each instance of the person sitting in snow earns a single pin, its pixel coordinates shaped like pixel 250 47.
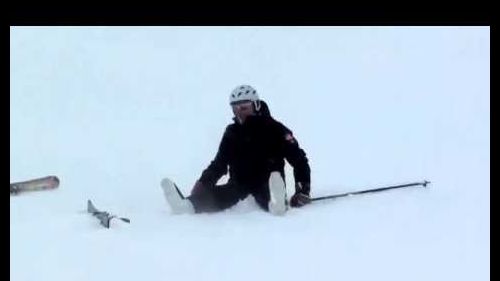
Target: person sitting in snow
pixel 254 148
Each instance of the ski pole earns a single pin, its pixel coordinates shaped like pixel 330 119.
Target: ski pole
pixel 123 219
pixel 424 184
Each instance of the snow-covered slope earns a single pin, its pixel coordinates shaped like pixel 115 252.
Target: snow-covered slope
pixel 112 111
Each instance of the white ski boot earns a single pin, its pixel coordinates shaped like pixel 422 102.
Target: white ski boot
pixel 177 203
pixel 277 192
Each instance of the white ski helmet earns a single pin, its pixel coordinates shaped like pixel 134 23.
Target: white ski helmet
pixel 245 93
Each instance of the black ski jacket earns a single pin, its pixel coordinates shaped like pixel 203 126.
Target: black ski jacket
pixel 253 150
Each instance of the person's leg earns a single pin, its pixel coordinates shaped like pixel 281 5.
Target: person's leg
pixel 217 198
pixel 261 196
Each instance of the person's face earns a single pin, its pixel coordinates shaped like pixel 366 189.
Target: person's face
pixel 242 110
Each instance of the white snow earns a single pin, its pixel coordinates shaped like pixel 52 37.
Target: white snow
pixel 113 110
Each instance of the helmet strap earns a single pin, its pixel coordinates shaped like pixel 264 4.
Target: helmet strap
pixel 257 105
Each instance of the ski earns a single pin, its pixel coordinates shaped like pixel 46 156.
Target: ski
pixel 45 183
pixel 103 217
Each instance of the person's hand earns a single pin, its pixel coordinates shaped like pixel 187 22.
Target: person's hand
pixel 198 188
pixel 300 199
pixel 301 196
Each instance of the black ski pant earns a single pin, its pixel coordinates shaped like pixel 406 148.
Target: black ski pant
pixel 219 197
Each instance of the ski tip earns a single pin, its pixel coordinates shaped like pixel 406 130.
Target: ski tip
pixel 425 183
pixel 55 179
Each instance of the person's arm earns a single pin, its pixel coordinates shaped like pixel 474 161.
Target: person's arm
pixel 218 166
pixel 295 156
pixel 301 169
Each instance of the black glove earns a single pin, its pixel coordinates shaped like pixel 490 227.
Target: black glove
pixel 301 196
